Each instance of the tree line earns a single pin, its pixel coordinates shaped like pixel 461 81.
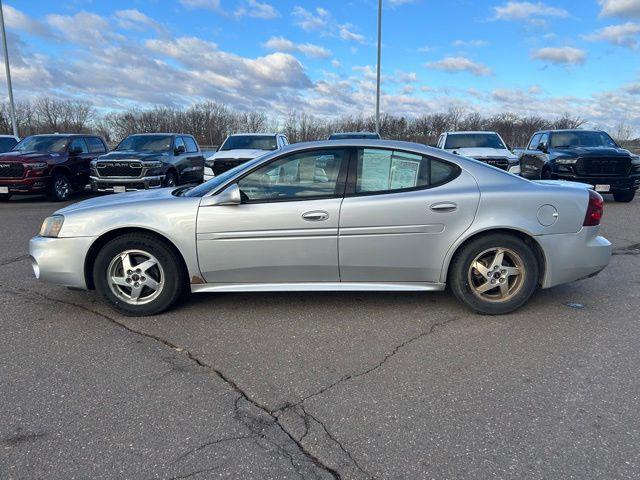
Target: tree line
pixel 211 122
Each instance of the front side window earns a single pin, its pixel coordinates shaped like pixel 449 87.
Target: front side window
pixel 250 142
pixel 473 140
pixel 180 143
pixel 78 145
pixel 145 143
pixel 43 144
pixel 192 146
pixel 301 176
pixel 535 141
pixel 95 145
pixel 380 171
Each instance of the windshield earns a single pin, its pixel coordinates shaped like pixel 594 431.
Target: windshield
pixel 218 180
pixel 43 144
pixel 250 142
pixel 146 143
pixel 581 139
pixel 473 140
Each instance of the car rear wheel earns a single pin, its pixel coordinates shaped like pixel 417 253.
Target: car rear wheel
pixel 625 197
pixel 4 197
pixel 494 274
pixel 60 188
pixel 139 275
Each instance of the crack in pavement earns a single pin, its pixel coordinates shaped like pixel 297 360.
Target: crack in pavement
pixel 11 260
pixel 310 457
pixel 628 250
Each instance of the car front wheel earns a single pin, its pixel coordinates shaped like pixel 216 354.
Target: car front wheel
pixel 494 274
pixel 60 188
pixel 139 275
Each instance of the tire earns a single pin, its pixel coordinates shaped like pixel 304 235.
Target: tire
pixel 625 197
pixel 159 285
pixel 60 188
pixel 4 197
pixel 546 174
pixel 171 179
pixel 514 283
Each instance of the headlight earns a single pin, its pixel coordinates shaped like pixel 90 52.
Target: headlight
pixel 51 226
pixel 635 160
pixel 209 162
pixel 36 166
pixel 153 164
pixel 566 161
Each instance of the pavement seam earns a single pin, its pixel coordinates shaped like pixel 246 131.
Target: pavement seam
pixel 312 458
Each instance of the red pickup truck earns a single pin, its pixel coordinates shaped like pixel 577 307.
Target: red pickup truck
pixel 56 165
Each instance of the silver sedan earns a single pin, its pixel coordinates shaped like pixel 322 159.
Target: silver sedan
pixel 334 215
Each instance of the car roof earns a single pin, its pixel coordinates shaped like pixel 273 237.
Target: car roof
pixel 560 130
pixel 64 135
pixel 467 132
pixel 255 134
pixel 159 134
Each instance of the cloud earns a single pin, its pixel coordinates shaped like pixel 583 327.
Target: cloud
pixel 133 19
pixel 560 55
pixel 282 44
pixel 322 21
pixel 205 4
pixel 527 11
pixel 18 20
pixel 470 43
pixel 460 64
pixel 620 8
pixel 83 28
pixel 623 35
pixel 256 9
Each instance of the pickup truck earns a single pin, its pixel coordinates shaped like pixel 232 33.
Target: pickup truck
pixel 587 156
pixel 148 160
pixel 487 147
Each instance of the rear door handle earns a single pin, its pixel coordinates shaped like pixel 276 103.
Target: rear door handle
pixel 444 207
pixel 315 216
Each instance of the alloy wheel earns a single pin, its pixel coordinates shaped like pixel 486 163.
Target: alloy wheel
pixel 135 277
pixel 496 274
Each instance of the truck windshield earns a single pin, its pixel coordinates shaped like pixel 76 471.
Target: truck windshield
pixel 473 140
pixel 581 139
pixel 146 143
pixel 43 144
pixel 250 142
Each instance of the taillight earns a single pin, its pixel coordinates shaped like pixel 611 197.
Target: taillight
pixel 594 210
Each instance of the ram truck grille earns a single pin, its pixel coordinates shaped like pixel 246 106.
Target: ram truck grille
pixel 603 166
pixel 501 163
pixel 221 165
pixel 11 170
pixel 119 168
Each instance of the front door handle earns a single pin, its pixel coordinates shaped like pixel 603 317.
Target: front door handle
pixel 315 216
pixel 444 207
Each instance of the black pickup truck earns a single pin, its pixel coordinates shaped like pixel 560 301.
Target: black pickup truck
pixel 149 160
pixel 585 156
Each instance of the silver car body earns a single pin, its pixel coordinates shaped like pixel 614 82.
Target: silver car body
pixel 394 241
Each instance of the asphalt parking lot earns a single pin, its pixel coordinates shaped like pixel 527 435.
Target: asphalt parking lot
pixel 323 385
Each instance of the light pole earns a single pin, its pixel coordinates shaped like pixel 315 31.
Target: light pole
pixel 8 70
pixel 378 70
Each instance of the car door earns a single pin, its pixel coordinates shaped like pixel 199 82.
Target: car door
pixel 528 167
pixel 286 228
pixel 401 214
pixel 79 161
pixel 194 165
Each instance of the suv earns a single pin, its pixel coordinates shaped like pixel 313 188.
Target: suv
pixel 54 164
pixel 240 148
pixel 148 160
pixel 585 156
pixel 487 147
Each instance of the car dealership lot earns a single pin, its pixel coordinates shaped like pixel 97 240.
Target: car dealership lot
pixel 320 385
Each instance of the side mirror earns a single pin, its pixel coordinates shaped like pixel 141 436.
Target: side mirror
pixel 229 196
pixel 180 150
pixel 542 147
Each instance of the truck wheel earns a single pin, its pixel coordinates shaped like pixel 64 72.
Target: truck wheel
pixel 139 275
pixel 546 174
pixel 625 197
pixel 494 274
pixel 4 197
pixel 60 188
pixel 171 179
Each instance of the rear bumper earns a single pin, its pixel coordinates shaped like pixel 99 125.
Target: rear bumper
pixel 100 184
pixel 574 256
pixel 60 260
pixel 618 184
pixel 25 185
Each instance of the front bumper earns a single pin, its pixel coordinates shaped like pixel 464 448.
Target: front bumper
pixel 574 256
pixel 60 260
pixel 25 185
pixel 617 184
pixel 101 184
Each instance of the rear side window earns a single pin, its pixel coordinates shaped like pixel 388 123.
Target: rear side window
pixel 192 146
pixel 95 145
pixel 381 171
pixel 535 141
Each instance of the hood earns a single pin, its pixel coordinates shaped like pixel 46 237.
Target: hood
pixel 593 152
pixel 119 199
pixel 26 157
pixel 243 153
pixel 132 155
pixel 482 152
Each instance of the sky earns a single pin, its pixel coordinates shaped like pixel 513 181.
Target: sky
pixel 487 56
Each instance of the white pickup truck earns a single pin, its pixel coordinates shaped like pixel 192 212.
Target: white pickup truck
pixel 487 147
pixel 241 147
